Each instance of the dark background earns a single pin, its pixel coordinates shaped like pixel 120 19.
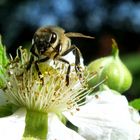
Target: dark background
pixel 103 19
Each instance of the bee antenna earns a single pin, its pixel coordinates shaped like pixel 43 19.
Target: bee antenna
pixel 72 34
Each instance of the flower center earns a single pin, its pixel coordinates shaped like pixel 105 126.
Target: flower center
pixel 25 88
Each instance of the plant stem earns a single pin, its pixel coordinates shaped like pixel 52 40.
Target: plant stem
pixel 36 125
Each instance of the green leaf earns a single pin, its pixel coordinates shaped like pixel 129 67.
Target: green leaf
pixel 135 103
pixel 132 61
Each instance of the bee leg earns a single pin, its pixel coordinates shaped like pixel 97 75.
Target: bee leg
pixel 32 50
pixel 68 70
pixel 37 67
pixel 30 62
pixel 68 51
pixel 58 50
pixel 77 54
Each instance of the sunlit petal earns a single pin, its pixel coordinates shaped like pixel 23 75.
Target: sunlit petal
pixel 58 131
pixel 12 127
pixel 106 117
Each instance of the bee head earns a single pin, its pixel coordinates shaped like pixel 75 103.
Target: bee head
pixel 43 39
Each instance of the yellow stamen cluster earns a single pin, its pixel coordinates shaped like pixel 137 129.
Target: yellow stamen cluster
pixel 25 88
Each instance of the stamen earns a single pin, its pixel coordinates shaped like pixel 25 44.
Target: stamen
pixel 51 95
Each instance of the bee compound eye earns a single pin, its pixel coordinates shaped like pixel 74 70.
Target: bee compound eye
pixel 53 37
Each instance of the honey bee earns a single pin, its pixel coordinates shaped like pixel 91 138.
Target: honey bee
pixel 53 43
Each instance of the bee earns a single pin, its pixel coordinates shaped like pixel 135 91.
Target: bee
pixel 53 43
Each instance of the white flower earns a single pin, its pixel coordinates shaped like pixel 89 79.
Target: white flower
pixel 104 116
pixel 49 94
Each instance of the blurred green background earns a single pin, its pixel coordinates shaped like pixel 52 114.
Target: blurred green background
pixel 103 19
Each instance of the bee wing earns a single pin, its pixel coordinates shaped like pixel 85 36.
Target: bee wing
pixel 72 34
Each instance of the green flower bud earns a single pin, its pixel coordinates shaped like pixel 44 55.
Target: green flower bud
pixel 111 67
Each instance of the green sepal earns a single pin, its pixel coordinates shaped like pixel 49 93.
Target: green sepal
pixel 115 50
pixel 7 109
pixel 135 103
pixel 3 63
pixel 3 56
pixel 62 118
pixel 36 125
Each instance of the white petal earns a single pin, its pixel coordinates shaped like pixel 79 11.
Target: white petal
pixel 71 58
pixel 58 131
pixel 12 127
pixel 106 117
